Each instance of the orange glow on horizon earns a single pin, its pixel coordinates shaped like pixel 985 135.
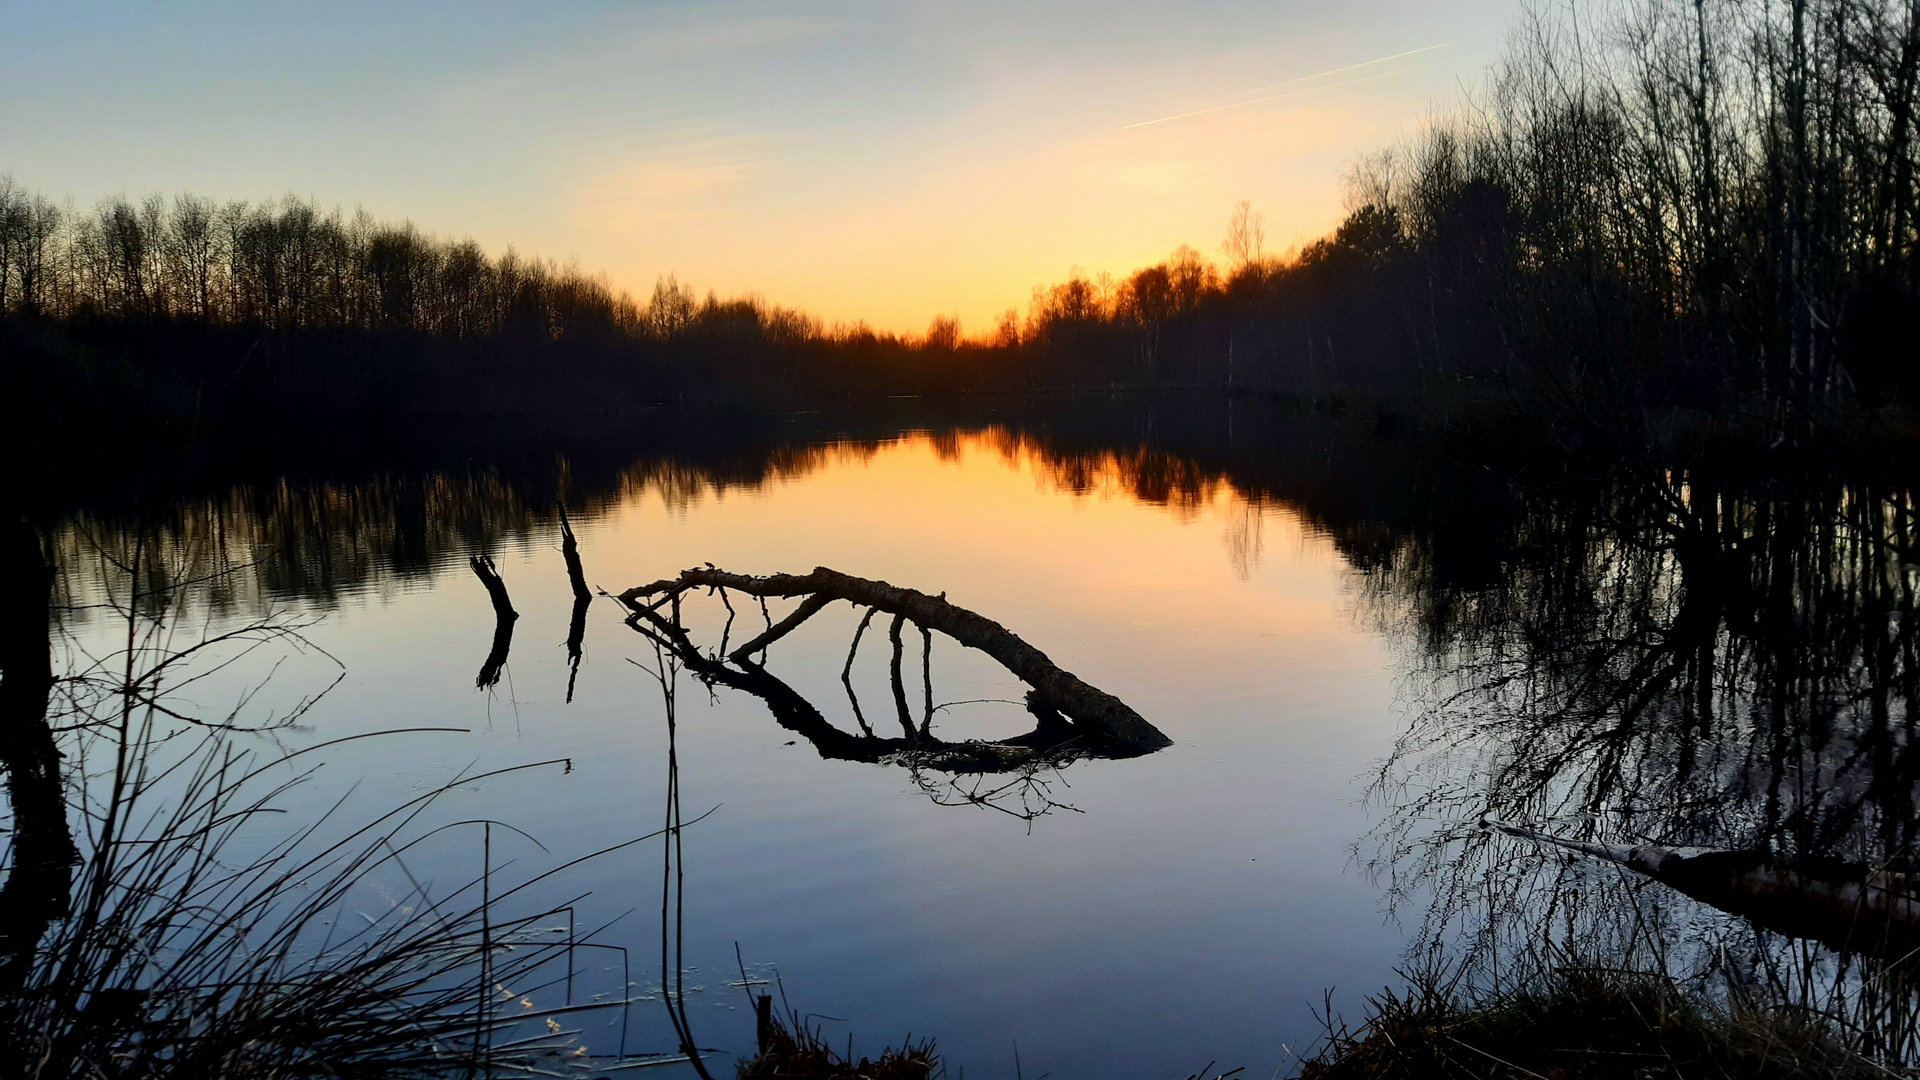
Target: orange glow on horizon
pixel 881 164
pixel 981 218
pixel 972 238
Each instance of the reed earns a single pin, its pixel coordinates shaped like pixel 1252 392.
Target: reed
pixel 791 1048
pixel 201 938
pixel 1579 1023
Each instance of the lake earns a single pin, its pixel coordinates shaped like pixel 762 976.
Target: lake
pixel 1354 646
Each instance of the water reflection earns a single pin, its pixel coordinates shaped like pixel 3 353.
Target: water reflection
pixel 320 539
pixel 1684 658
pixel 156 925
pixel 1042 524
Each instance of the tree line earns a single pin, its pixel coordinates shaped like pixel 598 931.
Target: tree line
pixel 288 264
pixel 1677 203
pixel 1683 205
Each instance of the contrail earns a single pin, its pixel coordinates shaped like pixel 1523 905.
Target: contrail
pixel 1293 82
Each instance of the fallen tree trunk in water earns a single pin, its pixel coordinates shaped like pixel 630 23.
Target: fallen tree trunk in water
pixel 1053 687
pixel 1845 905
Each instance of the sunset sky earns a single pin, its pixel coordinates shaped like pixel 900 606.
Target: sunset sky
pixel 885 162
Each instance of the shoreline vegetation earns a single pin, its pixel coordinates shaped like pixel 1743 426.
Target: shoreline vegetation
pixel 1686 237
pixel 1582 1021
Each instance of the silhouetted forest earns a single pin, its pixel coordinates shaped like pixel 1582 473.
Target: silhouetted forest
pixel 1697 206
pixel 1696 216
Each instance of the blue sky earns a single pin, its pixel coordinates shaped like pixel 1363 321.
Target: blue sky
pixel 874 161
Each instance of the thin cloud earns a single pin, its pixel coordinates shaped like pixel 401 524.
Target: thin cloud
pixel 1297 82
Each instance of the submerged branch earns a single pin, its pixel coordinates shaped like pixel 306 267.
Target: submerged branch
pixel 1849 906
pixel 504 617
pixel 582 599
pixel 1053 686
pixel 489 576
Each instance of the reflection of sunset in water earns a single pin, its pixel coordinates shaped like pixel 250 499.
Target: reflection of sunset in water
pixel 1000 526
pixel 1224 620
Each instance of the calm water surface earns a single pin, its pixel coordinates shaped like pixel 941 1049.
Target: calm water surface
pixel 1360 651
pixel 1163 911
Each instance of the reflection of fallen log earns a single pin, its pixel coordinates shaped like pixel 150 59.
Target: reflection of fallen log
pixel 1016 765
pixel 1053 742
pixel 1008 775
pixel 1054 689
pixel 1846 905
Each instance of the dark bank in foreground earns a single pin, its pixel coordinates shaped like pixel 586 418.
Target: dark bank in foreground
pixel 1582 1022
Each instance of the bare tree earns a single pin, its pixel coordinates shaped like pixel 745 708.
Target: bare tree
pixel 944 333
pixel 191 249
pixel 12 224
pixel 1246 233
pixel 672 308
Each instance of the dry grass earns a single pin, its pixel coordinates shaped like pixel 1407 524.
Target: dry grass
pixel 205 932
pixel 792 1049
pixel 1581 1024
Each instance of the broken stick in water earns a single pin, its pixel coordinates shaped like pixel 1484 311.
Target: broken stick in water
pixel 1053 687
pixel 489 576
pixel 1849 906
pixel 570 551
pixel 503 618
pixel 582 598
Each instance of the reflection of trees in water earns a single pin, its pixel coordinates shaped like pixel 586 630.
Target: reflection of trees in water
pixel 1245 538
pixel 319 540
pixel 1144 473
pixel 315 542
pixel 1666 659
pixel 682 483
